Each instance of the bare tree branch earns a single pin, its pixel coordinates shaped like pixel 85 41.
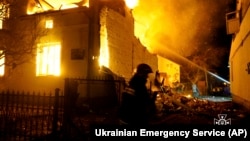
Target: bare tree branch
pixel 19 37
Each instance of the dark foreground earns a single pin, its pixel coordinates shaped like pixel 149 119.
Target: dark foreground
pixel 180 112
pixel 172 111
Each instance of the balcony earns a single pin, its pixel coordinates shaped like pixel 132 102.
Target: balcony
pixel 232 22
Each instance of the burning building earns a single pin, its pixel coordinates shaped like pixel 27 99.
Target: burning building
pixel 239 62
pixel 45 41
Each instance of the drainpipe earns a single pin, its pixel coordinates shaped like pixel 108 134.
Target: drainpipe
pixel 94 39
pixel 93 46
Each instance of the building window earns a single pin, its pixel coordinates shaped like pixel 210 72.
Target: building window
pixel 4 13
pixel 48 59
pixel 49 24
pixel 2 61
pixel 1 24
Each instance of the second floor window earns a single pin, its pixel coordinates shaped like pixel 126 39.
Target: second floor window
pixel 48 59
pixel 49 24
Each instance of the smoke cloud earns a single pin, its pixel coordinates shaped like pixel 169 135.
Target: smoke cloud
pixel 182 26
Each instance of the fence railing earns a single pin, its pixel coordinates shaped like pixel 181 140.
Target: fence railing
pixel 26 116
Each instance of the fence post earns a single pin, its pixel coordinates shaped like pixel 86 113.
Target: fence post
pixel 55 114
pixel 7 101
pixel 66 113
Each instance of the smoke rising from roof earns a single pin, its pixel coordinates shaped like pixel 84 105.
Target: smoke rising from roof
pixel 182 26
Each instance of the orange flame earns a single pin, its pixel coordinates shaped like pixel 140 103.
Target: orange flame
pixel 37 6
pixel 131 3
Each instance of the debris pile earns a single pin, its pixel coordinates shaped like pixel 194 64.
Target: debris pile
pixel 172 108
pixel 169 103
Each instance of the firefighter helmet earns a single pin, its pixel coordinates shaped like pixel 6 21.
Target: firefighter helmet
pixel 143 69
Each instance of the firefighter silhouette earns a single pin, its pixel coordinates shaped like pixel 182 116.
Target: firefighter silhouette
pixel 137 102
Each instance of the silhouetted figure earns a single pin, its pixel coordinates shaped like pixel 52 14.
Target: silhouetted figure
pixel 137 102
pixel 195 91
pixel 226 90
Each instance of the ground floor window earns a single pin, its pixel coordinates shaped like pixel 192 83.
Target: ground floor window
pixel 48 59
pixel 1 24
pixel 2 61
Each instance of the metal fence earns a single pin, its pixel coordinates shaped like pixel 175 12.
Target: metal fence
pixel 27 116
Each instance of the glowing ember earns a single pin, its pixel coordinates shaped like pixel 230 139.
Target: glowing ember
pixel 188 96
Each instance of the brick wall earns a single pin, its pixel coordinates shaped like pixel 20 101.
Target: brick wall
pixel 126 51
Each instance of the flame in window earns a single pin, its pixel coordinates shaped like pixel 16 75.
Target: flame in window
pixel 1 24
pixel 49 24
pixel 48 59
pixel 4 10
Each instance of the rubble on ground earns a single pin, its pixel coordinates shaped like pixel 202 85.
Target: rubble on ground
pixel 174 108
pixel 172 103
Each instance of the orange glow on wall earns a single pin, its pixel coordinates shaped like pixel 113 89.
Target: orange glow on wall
pixel 104 49
pixel 171 69
pixel 48 59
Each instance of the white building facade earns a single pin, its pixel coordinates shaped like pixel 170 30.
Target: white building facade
pixel 238 24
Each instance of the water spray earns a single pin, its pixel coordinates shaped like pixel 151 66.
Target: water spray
pixel 222 79
pixel 173 53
